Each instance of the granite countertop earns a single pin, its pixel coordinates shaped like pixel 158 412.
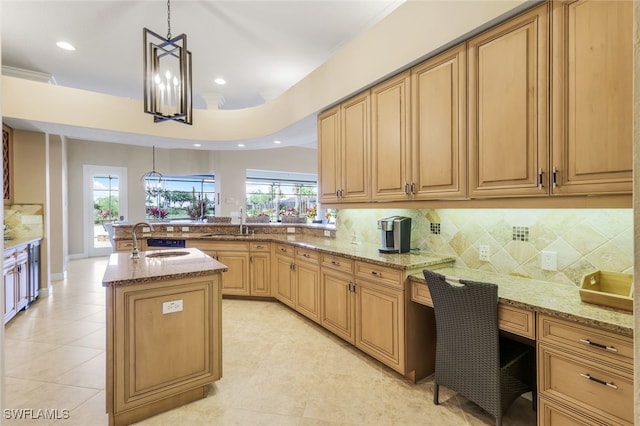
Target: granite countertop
pixel 122 270
pixel 18 241
pixel 358 251
pixel 558 300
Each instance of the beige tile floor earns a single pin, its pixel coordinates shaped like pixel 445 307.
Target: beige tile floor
pixel 278 368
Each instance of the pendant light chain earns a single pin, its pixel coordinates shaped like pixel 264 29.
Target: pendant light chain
pixel 168 19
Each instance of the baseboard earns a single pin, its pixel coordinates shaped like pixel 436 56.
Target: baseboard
pixel 77 256
pixel 59 276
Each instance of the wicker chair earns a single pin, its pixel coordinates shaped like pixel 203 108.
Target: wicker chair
pixel 471 357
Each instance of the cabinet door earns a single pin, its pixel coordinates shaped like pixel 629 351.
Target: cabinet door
pixel 308 290
pixel 22 280
pixel 9 275
pixel 592 105
pixel 329 173
pixel 439 142
pixel 380 323
pixel 389 129
pixel 337 308
pixel 236 279
pixel 355 160
pixel 283 274
pixel 260 267
pixel 508 143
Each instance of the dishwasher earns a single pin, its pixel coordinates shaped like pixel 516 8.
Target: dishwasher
pixel 166 243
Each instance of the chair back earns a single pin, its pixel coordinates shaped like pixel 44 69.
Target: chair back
pixel 467 345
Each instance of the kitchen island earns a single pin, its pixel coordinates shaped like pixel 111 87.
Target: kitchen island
pixel 164 331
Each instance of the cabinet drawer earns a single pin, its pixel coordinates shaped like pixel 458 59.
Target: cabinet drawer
pixel 586 385
pixel 420 294
pixel 307 255
pixel 337 263
pixel 517 321
pixel 511 319
pixel 124 245
pixel 260 247
pixel 380 274
pixel 284 249
pixel 552 414
pixel 218 245
pixel 608 347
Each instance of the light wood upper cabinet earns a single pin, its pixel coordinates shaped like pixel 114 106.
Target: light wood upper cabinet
pixel 591 63
pixel 329 155
pixel 343 147
pixel 508 143
pixel 389 133
pixel 438 148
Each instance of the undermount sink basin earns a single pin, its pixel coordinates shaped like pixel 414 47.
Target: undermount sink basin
pixel 168 254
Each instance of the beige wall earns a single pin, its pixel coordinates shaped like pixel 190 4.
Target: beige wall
pixel 56 205
pixel 30 182
pixel 137 160
pixel 231 166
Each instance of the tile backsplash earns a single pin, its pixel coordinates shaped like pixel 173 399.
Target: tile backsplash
pixel 584 239
pixel 24 220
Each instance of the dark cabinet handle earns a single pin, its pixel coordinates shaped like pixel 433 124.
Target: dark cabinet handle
pixel 377 274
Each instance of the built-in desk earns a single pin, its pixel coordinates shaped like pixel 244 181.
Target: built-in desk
pixel 584 352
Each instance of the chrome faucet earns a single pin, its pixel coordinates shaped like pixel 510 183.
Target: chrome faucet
pixel 135 252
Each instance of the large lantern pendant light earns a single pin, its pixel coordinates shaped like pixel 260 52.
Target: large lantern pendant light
pixel 167 75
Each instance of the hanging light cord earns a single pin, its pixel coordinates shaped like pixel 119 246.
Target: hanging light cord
pixel 168 19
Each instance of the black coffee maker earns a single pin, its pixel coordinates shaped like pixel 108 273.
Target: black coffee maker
pixel 395 232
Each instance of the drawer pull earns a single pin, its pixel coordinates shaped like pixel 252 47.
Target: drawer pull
pixel 333 262
pixel 377 274
pixel 306 255
pixel 599 345
pixel 602 382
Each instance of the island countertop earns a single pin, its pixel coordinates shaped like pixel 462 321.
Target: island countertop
pixel 122 270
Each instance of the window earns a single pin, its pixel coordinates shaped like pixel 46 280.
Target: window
pixel 186 197
pixel 276 194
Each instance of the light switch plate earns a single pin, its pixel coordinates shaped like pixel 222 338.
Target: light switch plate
pixel 146 229
pixel 169 228
pixel 291 230
pixel 185 229
pixel 327 233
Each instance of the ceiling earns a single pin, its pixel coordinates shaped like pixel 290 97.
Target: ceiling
pixel 261 48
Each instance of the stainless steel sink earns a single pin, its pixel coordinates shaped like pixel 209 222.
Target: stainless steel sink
pixel 167 254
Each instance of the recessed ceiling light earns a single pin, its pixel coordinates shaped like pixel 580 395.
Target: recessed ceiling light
pixel 221 81
pixel 64 45
pixel 276 141
pixel 241 145
pixel 197 145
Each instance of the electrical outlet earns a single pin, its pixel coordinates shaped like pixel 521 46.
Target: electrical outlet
pixel 549 260
pixel 185 229
pixel 484 252
pixel 327 233
pixel 291 230
pixel 169 228
pixel 172 306
pixel 146 229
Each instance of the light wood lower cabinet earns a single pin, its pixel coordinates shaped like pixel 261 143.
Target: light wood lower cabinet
pixel 233 254
pixel 283 275
pixel 158 360
pixel 307 283
pixel 584 374
pixel 337 307
pixel 380 322
pixel 260 269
